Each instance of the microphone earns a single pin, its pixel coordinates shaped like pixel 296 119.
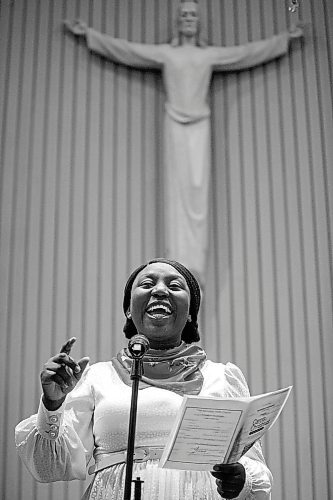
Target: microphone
pixel 138 346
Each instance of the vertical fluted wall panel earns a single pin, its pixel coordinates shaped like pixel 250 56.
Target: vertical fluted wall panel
pixel 81 148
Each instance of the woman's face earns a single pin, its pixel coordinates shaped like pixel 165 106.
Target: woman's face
pixel 160 302
pixel 188 19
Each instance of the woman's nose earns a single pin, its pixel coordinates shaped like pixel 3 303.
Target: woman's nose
pixel 160 289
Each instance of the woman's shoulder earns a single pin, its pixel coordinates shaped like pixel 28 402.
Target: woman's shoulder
pixel 227 376
pixel 215 366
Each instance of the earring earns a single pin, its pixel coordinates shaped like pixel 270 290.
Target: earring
pixel 128 315
pixel 189 319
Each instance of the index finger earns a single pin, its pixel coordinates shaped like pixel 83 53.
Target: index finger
pixel 67 347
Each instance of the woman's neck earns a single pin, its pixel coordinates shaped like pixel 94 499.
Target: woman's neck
pixel 163 346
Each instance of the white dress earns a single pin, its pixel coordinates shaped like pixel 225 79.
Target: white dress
pixel 187 72
pixel 58 445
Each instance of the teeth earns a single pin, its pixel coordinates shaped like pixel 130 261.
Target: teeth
pixel 159 306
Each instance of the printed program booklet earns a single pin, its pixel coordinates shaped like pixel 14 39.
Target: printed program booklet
pixel 209 430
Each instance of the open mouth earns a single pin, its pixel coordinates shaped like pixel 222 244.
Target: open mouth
pixel 159 310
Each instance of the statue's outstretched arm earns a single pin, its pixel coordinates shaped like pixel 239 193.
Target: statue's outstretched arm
pixel 133 54
pixel 252 54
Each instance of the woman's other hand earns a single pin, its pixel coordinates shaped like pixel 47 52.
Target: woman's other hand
pixel 230 479
pixel 60 375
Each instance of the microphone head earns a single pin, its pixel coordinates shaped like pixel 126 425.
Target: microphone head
pixel 138 345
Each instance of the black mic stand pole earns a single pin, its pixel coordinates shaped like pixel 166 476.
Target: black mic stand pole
pixel 136 375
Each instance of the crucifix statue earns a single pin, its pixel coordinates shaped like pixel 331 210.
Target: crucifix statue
pixel 187 64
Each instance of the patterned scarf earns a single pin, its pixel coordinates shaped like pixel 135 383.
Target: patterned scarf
pixel 176 369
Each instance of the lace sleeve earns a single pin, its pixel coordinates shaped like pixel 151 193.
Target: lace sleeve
pixel 57 445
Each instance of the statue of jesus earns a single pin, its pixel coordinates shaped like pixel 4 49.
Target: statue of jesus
pixel 187 64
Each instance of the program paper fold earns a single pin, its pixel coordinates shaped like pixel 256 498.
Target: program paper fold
pixel 208 430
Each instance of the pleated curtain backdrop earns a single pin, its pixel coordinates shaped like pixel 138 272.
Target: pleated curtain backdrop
pixel 81 181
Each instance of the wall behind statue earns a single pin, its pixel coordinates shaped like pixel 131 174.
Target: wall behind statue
pixel 81 177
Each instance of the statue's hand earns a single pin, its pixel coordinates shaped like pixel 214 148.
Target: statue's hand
pixel 77 27
pixel 297 30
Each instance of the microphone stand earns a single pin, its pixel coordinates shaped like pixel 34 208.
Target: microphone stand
pixel 136 375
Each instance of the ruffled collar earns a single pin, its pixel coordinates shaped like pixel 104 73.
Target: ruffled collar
pixel 177 369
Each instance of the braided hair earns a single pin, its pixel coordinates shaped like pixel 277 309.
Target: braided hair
pixel 190 332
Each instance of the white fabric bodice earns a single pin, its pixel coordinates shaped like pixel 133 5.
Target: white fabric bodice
pixel 156 409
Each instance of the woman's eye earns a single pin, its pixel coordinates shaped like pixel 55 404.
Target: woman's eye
pixel 175 285
pixel 147 284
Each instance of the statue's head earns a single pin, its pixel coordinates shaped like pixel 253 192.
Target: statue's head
pixel 188 23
